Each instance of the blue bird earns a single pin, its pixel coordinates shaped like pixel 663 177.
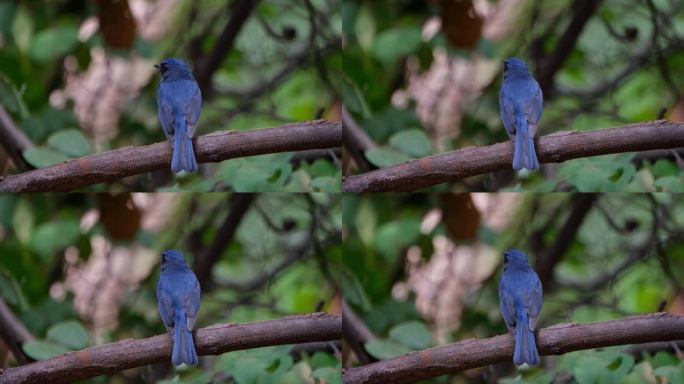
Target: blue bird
pixel 179 103
pixel 520 300
pixel 178 298
pixel 520 104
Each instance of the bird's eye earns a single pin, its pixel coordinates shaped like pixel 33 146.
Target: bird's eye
pixel 505 257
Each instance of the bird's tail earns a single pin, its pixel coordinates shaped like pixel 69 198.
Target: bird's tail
pixel 183 158
pixel 524 155
pixel 183 346
pixel 525 347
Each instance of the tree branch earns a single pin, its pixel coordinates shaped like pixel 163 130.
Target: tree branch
pixel 357 141
pixel 294 254
pixel 241 10
pixel 582 11
pixel 14 333
pixel 550 256
pixel 356 333
pixel 555 340
pixel 239 205
pixel 556 147
pixel 311 155
pixel 214 147
pixel 14 141
pixel 636 253
pixel 213 340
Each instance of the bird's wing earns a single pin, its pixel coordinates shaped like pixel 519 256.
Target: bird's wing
pixel 507 303
pixel 165 304
pixel 191 302
pixel 192 106
pixel 507 110
pixel 165 109
pixel 533 106
pixel 533 300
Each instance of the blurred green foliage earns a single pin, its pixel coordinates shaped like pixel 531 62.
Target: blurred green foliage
pixel 39 41
pixel 386 38
pixel 39 230
pixel 617 226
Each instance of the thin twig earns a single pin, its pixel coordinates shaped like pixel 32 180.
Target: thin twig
pixel 241 10
pixel 14 141
pixel 14 333
pixel 582 10
pixel 356 141
pixel 239 205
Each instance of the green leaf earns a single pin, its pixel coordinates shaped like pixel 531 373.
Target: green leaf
pixel 70 334
pixel 52 236
pixel 366 221
pixel 664 167
pixel 11 291
pixel 393 44
pixel 70 142
pixel 327 375
pixel 610 173
pixel 40 125
pixel 412 141
pixel 11 98
pixel 52 43
pixel 43 157
pixel 300 181
pixel 354 292
pixel 23 220
pixel 257 173
pixel 392 236
pixel 249 370
pixel 412 334
pixel 22 28
pixel 326 184
pixel 385 349
pixel 670 184
pixel 384 157
pixel 674 375
pixel 41 350
pixel 354 99
pixel 261 365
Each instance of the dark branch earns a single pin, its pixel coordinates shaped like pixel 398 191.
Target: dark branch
pixel 14 333
pixel 549 257
pixel 636 253
pixel 293 255
pixel 14 141
pixel 312 155
pixel 214 147
pixel 213 340
pixel 239 205
pixel 241 10
pixel 331 347
pixel 356 141
pixel 356 333
pixel 555 340
pixel 581 13
pixel 557 147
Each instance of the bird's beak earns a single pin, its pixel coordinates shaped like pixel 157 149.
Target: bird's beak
pixel 156 66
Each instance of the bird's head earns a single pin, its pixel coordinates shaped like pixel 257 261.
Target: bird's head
pixel 173 68
pixel 172 256
pixel 514 257
pixel 515 65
